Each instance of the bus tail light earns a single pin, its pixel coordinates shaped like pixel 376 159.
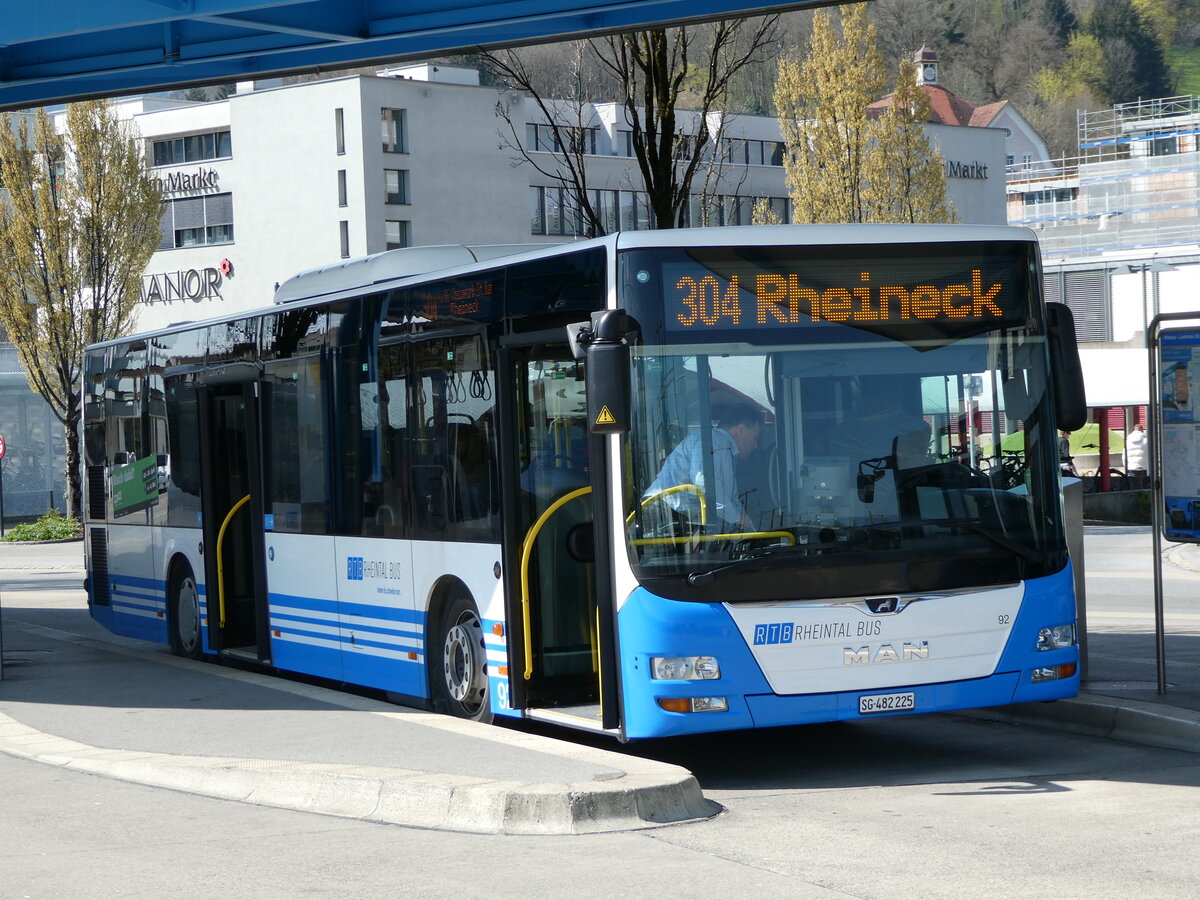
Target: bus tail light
pixel 1053 673
pixel 693 704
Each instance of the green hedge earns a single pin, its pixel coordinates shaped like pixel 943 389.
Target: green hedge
pixel 53 526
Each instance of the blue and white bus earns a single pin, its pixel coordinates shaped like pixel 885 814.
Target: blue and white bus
pixel 439 473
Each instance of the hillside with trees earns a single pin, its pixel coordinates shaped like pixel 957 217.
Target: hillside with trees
pixel 1049 57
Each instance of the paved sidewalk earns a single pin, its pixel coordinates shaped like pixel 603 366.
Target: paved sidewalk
pixel 75 696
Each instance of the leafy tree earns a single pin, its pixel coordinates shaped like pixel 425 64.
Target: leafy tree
pixel 842 165
pixel 906 177
pixel 81 220
pixel 1136 64
pixel 1059 20
pixel 822 102
pixel 655 75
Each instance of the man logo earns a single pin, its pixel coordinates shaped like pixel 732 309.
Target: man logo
pixel 774 633
pixel 883 605
pixel 885 653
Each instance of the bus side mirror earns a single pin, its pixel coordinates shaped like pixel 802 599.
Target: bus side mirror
pixel 1066 372
pixel 607 367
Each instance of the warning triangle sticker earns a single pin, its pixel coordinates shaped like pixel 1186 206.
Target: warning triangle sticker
pixel 605 417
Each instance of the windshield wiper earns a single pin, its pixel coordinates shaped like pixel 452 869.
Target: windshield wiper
pixel 696 579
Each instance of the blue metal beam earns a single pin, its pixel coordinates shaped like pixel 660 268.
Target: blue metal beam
pixel 51 52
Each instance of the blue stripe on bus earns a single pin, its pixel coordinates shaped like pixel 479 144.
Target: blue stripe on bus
pixel 137 595
pixel 414 617
pixel 137 581
pixel 315 604
pixel 155 608
pixel 395 648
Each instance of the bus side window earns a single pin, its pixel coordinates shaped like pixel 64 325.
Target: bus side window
pixel 294 446
pixel 455 475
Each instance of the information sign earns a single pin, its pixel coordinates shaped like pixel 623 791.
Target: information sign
pixel 1179 370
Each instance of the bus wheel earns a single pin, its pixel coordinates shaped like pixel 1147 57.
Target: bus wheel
pixel 458 676
pixel 185 615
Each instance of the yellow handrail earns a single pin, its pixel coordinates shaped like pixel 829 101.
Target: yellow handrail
pixel 709 538
pixel 221 558
pixel 526 552
pixel 691 488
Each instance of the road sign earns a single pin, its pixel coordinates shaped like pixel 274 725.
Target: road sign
pixel 3 447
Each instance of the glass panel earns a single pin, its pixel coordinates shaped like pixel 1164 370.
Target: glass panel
pixel 453 441
pixel 294 446
pixel 395 139
pixel 553 453
pixel 888 434
pixel 537 215
pixel 554 212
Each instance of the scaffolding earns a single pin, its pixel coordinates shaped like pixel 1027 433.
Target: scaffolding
pixel 1135 183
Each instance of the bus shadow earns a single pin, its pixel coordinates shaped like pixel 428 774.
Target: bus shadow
pixel 61 657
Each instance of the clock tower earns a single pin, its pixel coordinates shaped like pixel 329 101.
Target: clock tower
pixel 927 65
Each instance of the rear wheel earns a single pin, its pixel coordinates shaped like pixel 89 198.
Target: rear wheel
pixel 458 671
pixel 185 615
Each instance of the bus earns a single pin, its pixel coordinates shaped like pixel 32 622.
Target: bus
pixel 495 482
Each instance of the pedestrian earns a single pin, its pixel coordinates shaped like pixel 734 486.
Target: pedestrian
pixel 1135 450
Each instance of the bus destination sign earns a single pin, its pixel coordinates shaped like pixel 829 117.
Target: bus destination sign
pixel 698 300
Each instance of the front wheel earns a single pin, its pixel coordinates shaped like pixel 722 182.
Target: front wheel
pixel 185 615
pixel 458 665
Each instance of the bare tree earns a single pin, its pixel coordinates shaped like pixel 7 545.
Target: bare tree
pixel 565 105
pixel 671 85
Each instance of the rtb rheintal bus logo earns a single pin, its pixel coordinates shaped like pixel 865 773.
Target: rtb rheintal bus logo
pixel 774 633
pixel 354 568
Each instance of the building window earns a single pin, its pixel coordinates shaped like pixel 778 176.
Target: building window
pixel 539 137
pixel 1009 159
pixel 555 211
pixel 395 185
pixel 341 181
pixel 397 234
pixel 395 130
pixel 197 221
pixel 344 235
pixel 339 129
pixel 1164 146
pixel 193 148
pixel 537 210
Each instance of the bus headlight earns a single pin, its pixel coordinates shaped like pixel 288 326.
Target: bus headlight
pixel 1056 638
pixel 684 668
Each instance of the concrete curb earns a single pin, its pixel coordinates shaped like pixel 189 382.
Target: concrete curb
pixel 393 796
pixel 1116 718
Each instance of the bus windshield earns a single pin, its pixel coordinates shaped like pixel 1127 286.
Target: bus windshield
pixel 795 435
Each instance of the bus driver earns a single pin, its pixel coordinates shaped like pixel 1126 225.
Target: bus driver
pixel 735 437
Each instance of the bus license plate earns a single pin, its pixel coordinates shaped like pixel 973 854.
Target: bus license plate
pixel 880 703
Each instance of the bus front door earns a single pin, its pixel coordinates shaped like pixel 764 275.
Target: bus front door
pixel 231 507
pixel 559 625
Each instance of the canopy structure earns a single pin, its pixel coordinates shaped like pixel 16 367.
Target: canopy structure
pixel 72 49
